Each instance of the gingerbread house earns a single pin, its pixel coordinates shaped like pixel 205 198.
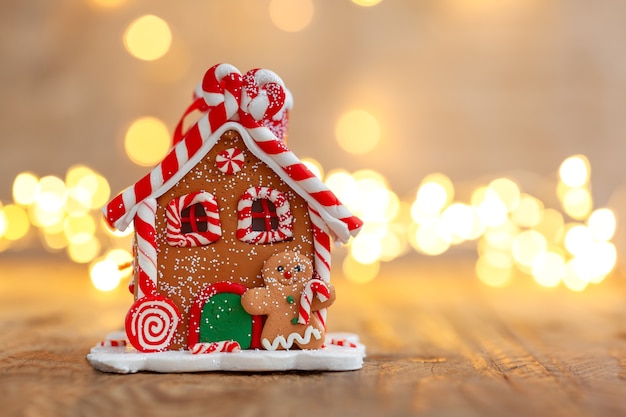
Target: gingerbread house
pixel 228 195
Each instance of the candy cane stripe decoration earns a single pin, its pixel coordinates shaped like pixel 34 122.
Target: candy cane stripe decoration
pixel 215 347
pixel 209 218
pixel 146 247
pixel 313 288
pixel 112 343
pixel 343 343
pixel 284 231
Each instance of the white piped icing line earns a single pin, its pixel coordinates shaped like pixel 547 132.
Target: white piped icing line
pixel 288 342
pixel 151 323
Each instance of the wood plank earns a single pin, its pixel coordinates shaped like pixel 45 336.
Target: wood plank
pixel 439 343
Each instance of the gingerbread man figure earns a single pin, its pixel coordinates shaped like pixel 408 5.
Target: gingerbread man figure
pixel 291 299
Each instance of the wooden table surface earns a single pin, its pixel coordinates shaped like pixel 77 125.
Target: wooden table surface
pixel 439 344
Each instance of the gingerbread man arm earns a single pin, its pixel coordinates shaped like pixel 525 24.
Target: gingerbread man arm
pixel 316 304
pixel 256 301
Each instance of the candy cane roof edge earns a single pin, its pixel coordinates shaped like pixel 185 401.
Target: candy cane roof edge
pixel 340 221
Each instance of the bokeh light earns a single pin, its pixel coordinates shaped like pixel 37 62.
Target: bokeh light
pixel 551 225
pixel 527 246
pixel 490 207
pixel 513 231
pixel 148 38
pixel 434 193
pixel 291 15
pixel 602 224
pixel 528 212
pixel 15 222
pixel 494 268
pixel 105 275
pixel 25 188
pixel 357 272
pixel 575 171
pixel 508 192
pixel 577 203
pixel 109 4
pixel 548 269
pixel 366 3
pixel 357 131
pixel 84 251
pixel 147 141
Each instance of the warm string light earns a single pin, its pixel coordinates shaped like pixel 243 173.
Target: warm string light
pixel 148 38
pixel 291 15
pixel 513 230
pixel 147 141
pixel 66 214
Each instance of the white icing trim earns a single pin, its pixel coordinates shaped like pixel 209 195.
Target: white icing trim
pixel 126 359
pixel 287 343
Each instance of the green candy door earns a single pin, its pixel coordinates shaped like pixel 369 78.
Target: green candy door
pixel 223 318
pixel 217 316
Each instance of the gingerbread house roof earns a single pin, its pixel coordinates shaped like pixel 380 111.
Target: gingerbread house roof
pixel 241 103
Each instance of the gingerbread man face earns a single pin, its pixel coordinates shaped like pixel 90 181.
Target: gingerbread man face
pixel 287 268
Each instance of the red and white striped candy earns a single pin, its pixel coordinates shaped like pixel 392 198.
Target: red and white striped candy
pixel 175 237
pixel 343 343
pixel 151 323
pixel 230 161
pixel 214 347
pixel 145 235
pixel 283 211
pixel 313 288
pixel 113 343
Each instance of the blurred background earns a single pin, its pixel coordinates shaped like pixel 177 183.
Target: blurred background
pixel 486 129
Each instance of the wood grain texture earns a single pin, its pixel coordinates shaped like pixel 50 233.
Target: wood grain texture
pixel 439 344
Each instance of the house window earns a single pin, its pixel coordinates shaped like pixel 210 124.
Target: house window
pixel 264 216
pixel 193 220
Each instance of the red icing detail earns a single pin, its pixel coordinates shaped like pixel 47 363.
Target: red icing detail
pixel 115 209
pixel 143 188
pixel 299 172
pixel 272 147
pixel 169 166
pixel 193 141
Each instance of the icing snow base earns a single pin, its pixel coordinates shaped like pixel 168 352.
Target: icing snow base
pixel 127 360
